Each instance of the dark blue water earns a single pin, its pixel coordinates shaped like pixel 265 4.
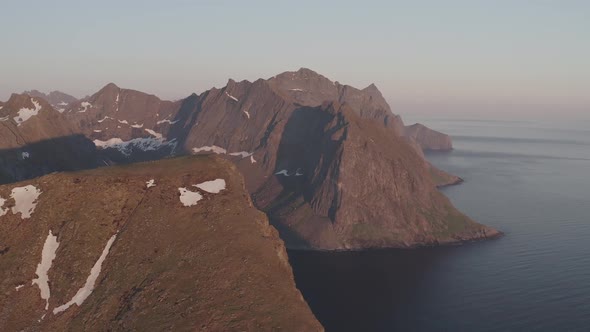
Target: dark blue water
pixel 527 178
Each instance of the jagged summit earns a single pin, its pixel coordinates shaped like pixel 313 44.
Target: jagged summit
pixel 20 102
pixel 56 99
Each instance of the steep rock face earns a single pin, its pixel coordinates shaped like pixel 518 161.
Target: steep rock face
pixel 57 99
pixel 427 138
pixel 310 172
pixel 332 198
pixel 142 248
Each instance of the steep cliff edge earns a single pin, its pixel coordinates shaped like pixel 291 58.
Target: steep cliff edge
pixel 165 245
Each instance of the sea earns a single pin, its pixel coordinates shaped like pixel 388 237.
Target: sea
pixel 528 178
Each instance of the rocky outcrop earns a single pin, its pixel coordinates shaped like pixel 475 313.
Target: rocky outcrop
pixel 427 138
pixel 168 245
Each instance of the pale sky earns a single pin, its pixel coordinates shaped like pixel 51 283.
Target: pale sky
pixel 436 57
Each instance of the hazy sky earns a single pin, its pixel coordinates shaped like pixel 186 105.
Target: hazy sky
pixel 474 57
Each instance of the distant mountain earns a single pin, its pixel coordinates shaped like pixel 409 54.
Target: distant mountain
pixel 56 99
pixel 167 245
pixel 427 138
pixel 35 140
pixel 331 165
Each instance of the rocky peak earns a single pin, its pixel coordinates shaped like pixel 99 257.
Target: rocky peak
pixel 57 99
pixel 23 107
pixel 376 96
pixel 110 87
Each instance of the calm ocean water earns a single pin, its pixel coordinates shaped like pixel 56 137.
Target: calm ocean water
pixel 529 179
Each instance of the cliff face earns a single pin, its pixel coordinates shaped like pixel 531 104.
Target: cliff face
pixel 166 245
pixel 427 138
pixel 350 183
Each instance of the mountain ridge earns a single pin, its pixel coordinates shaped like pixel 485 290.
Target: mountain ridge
pixel 250 123
pixel 153 261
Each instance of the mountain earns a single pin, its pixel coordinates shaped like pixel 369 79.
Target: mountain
pixel 168 245
pixel 334 175
pixel 35 140
pixel 330 164
pixel 427 138
pixel 133 123
pixel 56 99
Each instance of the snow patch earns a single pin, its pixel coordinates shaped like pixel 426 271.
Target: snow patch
pixel 47 257
pixel 103 119
pixel 117 100
pixel 219 150
pixel 2 211
pixel 231 97
pixel 283 172
pixel 84 292
pixel 84 107
pixel 61 110
pixel 123 122
pixel 108 143
pixel 166 121
pixel 153 133
pixel 144 144
pixel 4 118
pixel 150 183
pixel 17 288
pixel 26 113
pixel 300 90
pixel 213 148
pixel 213 187
pixel 242 154
pixel 189 198
pixel 135 125
pixel 25 155
pixel 25 199
pixel 247 114
pixel 62 103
